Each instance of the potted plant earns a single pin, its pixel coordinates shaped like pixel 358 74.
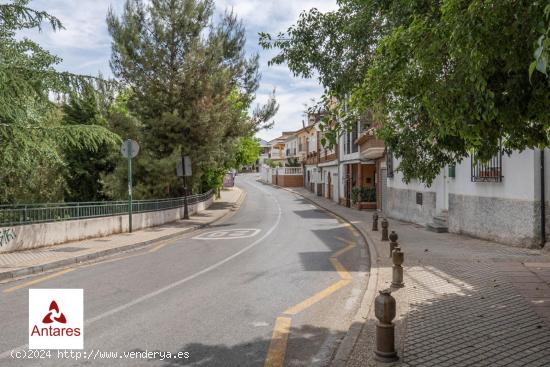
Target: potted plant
pixel 367 197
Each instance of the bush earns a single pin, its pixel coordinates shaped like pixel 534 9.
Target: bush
pixel 368 194
pixel 363 194
pixel 355 194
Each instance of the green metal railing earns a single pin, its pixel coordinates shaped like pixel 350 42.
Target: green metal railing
pixel 19 214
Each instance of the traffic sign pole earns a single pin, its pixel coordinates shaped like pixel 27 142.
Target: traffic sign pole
pixel 129 147
pixel 185 207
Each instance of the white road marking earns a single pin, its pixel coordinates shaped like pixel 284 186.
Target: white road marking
pixel 228 234
pixel 260 324
pixel 146 297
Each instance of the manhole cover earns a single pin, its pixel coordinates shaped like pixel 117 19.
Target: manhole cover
pixel 69 249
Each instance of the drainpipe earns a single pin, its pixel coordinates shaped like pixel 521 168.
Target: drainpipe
pixel 542 202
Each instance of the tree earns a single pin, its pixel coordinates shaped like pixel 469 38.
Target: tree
pixel 187 75
pixel 542 46
pixel 85 167
pixel 444 79
pixel 32 137
pixel 248 151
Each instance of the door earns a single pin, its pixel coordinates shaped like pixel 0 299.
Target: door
pixel 384 190
pixel 329 185
pixel 441 192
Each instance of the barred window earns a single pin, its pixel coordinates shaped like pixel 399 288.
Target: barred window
pixel 490 171
pixel 389 163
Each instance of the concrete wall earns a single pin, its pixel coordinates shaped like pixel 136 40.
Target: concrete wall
pixel 46 234
pixel 509 221
pixel 401 204
pixel 507 211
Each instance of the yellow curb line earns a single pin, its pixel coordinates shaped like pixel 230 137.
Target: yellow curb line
pixel 317 297
pixel 277 347
pixel 279 340
pixel 344 250
pixel 39 280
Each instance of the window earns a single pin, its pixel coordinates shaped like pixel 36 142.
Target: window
pixel 389 163
pixel 490 171
pixel 365 121
pixel 354 136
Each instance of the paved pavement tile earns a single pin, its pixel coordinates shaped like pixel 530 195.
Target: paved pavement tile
pixel 466 301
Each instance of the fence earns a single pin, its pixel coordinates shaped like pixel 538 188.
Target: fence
pixel 13 215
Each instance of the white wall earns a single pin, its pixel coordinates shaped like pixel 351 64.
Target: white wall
pixel 518 181
pixel 333 171
pixel 292 146
pixel 47 234
pixel 547 174
pixel 312 141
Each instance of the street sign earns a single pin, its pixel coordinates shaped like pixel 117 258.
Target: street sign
pixel 183 167
pixel 129 149
pixel 127 145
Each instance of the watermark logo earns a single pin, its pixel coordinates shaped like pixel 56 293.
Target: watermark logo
pixel 60 318
pixel 56 319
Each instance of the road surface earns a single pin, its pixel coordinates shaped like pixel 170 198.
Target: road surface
pixel 277 283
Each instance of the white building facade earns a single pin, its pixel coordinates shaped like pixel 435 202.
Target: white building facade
pixel 499 200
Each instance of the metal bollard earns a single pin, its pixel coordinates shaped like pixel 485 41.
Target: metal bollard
pixel 375 222
pixel 385 225
pixel 393 241
pixel 397 275
pixel 384 310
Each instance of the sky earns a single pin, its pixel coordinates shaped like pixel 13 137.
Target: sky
pixel 85 46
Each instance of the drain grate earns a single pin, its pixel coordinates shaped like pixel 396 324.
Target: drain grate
pixel 69 249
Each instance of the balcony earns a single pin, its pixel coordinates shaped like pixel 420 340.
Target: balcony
pixel 327 156
pixel 312 158
pixel 276 155
pixel 370 147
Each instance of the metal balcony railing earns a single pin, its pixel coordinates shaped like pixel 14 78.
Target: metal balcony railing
pixel 12 215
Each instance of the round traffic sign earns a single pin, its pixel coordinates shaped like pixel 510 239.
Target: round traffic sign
pixel 127 145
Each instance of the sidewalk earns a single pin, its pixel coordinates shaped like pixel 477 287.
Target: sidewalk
pixel 466 302
pixel 21 263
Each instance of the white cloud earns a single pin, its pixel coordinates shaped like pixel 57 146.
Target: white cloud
pixel 85 45
pixel 273 16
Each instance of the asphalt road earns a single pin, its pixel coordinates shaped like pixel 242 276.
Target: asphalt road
pixel 289 271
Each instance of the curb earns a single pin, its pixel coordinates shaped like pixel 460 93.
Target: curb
pixel 347 344
pixel 36 269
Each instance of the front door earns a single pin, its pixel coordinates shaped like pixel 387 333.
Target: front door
pixel 441 192
pixel 329 185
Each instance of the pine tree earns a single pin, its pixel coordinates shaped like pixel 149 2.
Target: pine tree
pixel 192 87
